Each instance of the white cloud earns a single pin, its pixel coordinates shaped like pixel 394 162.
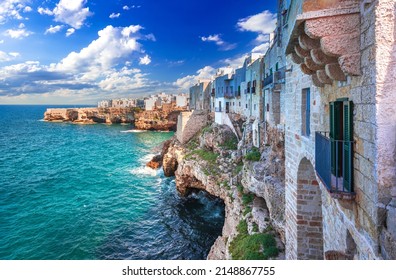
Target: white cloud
pixel 54 29
pixel 19 33
pixel 262 23
pixel 8 56
pixel 146 60
pixel 219 42
pixel 45 11
pixel 70 31
pixel 114 15
pixel 103 69
pixel 123 80
pixel 1 41
pixel 186 82
pixel 70 12
pixel 27 9
pixel 262 48
pixel 126 8
pixel 151 37
pixel 11 9
pixel 113 46
pixel 234 62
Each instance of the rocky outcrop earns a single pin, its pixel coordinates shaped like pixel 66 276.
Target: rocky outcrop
pixel 159 120
pixel 217 138
pixel 90 115
pixel 208 162
pixel 155 163
pixel 265 179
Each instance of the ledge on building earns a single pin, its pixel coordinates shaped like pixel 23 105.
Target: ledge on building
pixel 325 40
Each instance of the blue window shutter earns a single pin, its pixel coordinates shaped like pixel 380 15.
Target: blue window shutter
pixel 347 147
pixel 308 112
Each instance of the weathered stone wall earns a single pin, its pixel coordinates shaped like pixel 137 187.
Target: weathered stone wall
pixel 189 123
pixel 385 140
pixel 351 227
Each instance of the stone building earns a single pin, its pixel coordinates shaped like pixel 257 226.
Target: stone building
pixel 274 74
pixel 182 100
pixel 224 92
pixel 200 95
pixel 253 95
pixel 340 123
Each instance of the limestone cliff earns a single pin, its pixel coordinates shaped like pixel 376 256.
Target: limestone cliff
pixel 160 120
pixel 90 115
pixel 212 162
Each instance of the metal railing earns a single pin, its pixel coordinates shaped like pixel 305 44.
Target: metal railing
pixel 279 76
pixel 333 163
pixel 229 94
pixel 268 80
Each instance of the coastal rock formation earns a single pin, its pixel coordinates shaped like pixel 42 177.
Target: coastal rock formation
pixel 159 120
pixel 155 163
pixel 208 162
pixel 90 115
pixel 157 160
pixel 265 179
pixel 217 137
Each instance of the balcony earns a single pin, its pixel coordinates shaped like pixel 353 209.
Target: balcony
pixel 333 165
pixel 213 93
pixel 279 76
pixel 268 80
pixel 229 94
pixel 218 109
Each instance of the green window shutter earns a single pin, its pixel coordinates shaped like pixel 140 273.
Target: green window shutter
pixel 276 66
pixel 347 145
pixel 336 134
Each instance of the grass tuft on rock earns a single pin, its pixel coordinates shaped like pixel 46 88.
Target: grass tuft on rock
pixel 208 156
pixel 259 246
pixel 230 144
pixel 253 155
pixel 247 199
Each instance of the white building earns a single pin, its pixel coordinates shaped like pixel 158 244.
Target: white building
pixel 104 104
pixel 182 100
pixel 152 102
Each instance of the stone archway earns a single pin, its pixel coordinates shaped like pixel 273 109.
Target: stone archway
pixel 309 213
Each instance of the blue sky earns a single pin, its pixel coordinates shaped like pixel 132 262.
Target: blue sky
pixel 81 51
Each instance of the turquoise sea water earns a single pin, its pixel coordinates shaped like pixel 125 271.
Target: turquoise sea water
pixel 83 192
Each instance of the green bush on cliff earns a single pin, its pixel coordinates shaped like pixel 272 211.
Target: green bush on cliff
pixel 253 155
pixel 238 168
pixel 247 199
pixel 242 227
pixel 206 129
pixel 240 189
pixel 230 144
pixel 192 144
pixel 247 210
pixel 259 246
pixel 206 155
